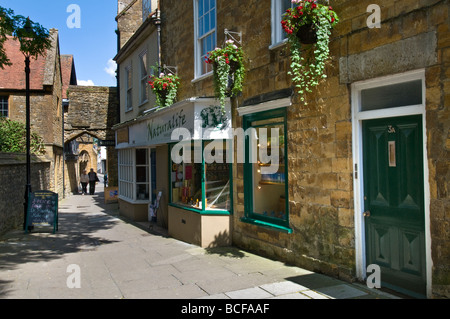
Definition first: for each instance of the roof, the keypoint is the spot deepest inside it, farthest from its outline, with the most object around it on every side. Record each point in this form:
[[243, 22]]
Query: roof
[[69, 76], [41, 69]]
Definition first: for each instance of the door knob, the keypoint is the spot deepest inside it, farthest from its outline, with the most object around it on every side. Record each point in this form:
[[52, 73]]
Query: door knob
[[366, 214]]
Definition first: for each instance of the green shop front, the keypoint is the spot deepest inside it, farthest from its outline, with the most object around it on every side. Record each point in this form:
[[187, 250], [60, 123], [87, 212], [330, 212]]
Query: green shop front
[[174, 167]]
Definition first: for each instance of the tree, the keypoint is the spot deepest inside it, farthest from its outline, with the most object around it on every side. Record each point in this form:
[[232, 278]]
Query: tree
[[34, 38]]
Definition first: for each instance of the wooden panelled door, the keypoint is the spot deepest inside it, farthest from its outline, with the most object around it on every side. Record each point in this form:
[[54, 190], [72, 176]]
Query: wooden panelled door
[[394, 202]]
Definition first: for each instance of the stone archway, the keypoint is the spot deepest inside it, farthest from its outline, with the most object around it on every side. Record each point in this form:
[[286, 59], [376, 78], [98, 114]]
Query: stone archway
[[90, 113]]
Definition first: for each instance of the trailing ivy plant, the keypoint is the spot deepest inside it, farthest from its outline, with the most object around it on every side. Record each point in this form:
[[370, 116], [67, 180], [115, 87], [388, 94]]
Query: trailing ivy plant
[[13, 138], [228, 70], [308, 60]]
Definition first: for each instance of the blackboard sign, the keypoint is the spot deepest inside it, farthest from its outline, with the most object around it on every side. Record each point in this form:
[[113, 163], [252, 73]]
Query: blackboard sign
[[42, 210]]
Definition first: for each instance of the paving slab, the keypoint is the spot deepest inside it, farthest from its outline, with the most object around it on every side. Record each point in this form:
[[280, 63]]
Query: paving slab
[[121, 259]]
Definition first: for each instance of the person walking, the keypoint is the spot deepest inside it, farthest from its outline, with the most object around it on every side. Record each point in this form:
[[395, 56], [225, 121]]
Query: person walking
[[84, 180], [93, 179]]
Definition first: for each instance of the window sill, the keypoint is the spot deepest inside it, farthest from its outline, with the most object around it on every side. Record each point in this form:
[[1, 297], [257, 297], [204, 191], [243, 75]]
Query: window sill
[[201, 212], [134, 201], [266, 225], [202, 77], [278, 44]]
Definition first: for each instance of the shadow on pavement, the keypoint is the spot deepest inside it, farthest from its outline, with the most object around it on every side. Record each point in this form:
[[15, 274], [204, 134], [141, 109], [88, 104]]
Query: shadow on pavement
[[80, 220]]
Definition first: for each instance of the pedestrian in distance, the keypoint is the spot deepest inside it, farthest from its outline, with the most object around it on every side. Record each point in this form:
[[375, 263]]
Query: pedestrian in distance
[[93, 179], [84, 180]]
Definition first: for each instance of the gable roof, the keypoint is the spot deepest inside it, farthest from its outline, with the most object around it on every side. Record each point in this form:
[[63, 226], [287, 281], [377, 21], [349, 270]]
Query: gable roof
[[69, 76], [42, 69]]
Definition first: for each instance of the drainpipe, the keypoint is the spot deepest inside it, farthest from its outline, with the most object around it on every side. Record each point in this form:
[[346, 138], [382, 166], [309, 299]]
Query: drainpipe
[[157, 22]]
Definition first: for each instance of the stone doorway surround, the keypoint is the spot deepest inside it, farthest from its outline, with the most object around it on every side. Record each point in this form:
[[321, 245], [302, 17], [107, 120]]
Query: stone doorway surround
[[357, 118]]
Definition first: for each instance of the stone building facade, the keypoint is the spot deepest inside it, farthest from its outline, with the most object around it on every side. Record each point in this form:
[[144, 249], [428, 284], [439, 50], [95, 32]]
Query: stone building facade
[[45, 101], [325, 228]]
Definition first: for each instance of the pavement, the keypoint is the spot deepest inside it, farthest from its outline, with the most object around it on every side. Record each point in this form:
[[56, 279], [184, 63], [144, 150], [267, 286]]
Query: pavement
[[97, 254]]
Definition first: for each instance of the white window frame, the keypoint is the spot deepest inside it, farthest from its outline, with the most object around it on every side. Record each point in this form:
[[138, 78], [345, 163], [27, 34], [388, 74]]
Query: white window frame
[[358, 117], [197, 43], [277, 30], [126, 173], [127, 176], [129, 88], [143, 88]]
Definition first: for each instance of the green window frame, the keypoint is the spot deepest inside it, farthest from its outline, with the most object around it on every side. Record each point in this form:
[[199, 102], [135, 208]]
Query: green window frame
[[203, 209], [275, 220]]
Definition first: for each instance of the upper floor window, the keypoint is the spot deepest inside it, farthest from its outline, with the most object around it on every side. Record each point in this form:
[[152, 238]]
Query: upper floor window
[[146, 9], [129, 87], [143, 76], [279, 7], [205, 30], [3, 106]]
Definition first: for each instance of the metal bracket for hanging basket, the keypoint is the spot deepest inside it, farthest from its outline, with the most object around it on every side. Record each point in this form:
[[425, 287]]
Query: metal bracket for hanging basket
[[233, 35], [171, 69]]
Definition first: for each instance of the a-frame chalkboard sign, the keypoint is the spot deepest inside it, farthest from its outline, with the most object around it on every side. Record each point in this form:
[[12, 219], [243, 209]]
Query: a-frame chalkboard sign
[[42, 212]]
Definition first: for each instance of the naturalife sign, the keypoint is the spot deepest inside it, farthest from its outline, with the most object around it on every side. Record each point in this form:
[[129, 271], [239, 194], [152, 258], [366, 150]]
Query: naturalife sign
[[156, 129], [196, 115]]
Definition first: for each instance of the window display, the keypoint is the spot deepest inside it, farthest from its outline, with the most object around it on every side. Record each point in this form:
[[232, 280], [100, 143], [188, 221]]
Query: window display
[[205, 185]]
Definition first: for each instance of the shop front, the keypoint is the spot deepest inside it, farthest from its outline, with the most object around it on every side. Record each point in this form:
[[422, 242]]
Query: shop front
[[184, 153]]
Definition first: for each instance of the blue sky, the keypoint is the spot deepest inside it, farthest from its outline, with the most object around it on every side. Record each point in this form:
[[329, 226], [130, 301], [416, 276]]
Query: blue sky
[[93, 44]]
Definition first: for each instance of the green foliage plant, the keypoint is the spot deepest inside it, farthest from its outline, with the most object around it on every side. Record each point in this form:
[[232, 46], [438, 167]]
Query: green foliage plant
[[228, 64], [308, 60], [13, 138]]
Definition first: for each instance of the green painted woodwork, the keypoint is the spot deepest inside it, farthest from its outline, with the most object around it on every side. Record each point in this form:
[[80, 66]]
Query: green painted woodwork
[[394, 196]]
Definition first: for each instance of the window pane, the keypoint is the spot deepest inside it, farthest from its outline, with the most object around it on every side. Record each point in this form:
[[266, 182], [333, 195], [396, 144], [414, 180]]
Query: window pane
[[213, 18], [3, 106], [142, 192], [201, 30], [141, 174], [141, 157], [217, 173], [268, 169], [200, 8], [395, 95], [207, 24]]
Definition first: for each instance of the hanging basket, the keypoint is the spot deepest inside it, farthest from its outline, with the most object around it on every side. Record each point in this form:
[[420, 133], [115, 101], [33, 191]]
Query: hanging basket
[[307, 34]]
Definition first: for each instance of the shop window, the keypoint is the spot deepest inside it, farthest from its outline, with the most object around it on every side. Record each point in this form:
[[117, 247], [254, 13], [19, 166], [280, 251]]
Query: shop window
[[217, 176], [126, 173], [134, 171], [265, 169], [201, 181], [142, 170]]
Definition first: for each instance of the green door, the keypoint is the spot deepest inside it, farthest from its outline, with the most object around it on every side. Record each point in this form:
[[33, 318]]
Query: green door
[[394, 202]]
